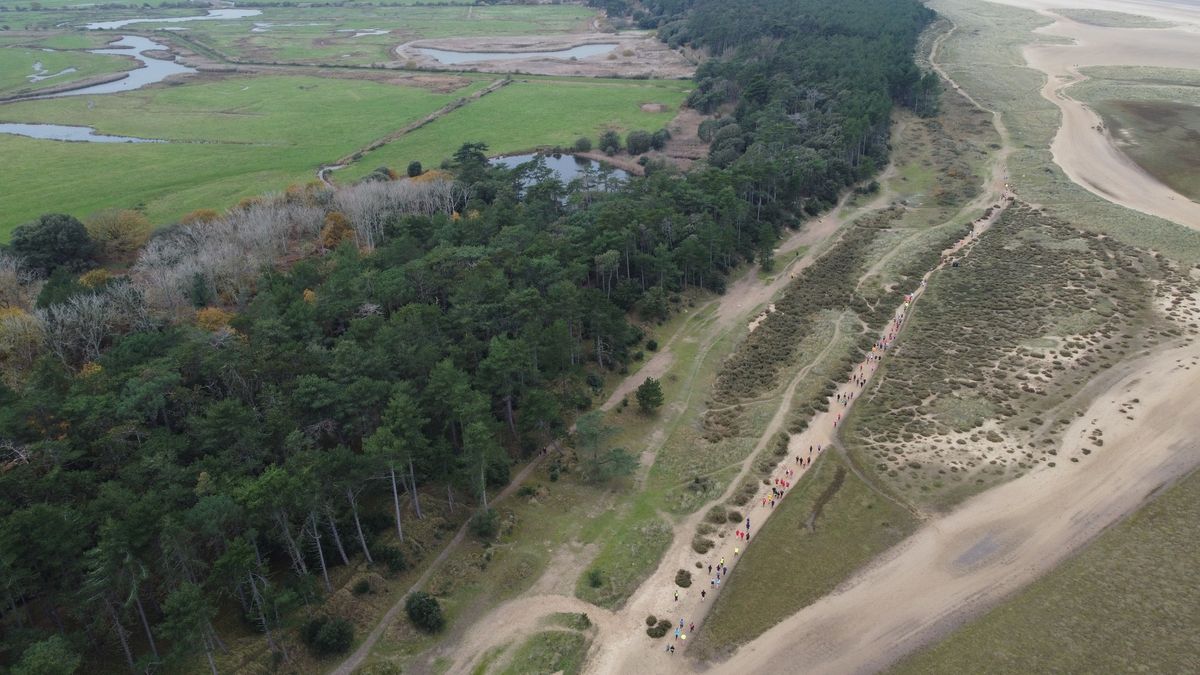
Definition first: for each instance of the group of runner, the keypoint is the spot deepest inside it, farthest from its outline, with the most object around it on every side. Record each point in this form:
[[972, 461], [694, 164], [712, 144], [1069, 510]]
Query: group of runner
[[782, 480]]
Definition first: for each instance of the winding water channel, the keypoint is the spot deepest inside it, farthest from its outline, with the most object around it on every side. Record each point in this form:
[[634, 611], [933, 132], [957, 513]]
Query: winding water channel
[[213, 15], [61, 132], [152, 70]]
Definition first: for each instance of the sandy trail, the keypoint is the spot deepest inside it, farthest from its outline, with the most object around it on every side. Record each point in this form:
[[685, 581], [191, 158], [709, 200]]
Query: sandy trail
[[1087, 154], [627, 651], [517, 618], [355, 659], [748, 293], [997, 542]]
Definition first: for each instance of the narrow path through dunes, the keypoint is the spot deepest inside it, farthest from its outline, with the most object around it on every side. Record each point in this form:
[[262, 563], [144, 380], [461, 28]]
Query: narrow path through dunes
[[958, 565]]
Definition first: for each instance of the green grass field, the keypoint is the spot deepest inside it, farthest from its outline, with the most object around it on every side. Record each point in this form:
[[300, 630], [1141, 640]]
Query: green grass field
[[16, 63], [232, 137], [1127, 603], [528, 114], [239, 136]]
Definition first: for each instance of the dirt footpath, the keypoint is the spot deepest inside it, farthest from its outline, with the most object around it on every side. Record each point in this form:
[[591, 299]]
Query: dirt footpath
[[959, 565]]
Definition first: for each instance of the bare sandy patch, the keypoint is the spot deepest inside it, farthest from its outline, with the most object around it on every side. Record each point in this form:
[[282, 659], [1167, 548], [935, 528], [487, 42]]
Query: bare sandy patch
[[1087, 154]]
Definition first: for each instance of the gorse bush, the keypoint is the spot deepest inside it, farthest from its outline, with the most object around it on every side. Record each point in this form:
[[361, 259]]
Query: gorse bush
[[424, 611]]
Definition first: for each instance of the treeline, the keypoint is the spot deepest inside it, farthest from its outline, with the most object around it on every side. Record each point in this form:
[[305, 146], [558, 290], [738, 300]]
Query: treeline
[[268, 393]]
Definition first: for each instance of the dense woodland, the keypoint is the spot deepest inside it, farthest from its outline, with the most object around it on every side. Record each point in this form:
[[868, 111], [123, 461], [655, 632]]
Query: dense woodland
[[255, 398]]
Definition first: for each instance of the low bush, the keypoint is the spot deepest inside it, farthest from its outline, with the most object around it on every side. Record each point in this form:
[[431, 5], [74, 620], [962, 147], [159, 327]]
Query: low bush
[[683, 579], [424, 611], [393, 557], [485, 524], [595, 578], [325, 635], [659, 629]]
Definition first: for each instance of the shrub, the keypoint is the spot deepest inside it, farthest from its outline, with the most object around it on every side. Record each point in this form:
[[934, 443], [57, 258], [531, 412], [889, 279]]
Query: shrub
[[683, 578], [485, 524], [424, 611], [118, 232], [610, 142], [658, 140], [649, 395], [716, 514], [652, 345], [701, 544], [595, 577], [638, 142], [414, 169], [199, 216], [393, 557], [651, 620], [583, 144], [361, 587], [735, 516], [659, 629], [325, 635], [337, 229], [54, 240], [52, 656]]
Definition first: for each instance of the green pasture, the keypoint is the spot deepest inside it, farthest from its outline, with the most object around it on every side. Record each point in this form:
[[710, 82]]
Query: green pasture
[[530, 114], [231, 138], [17, 63]]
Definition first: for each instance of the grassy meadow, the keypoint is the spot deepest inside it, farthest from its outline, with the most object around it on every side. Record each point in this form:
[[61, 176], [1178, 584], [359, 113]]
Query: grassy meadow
[[237, 136], [17, 63], [229, 138], [532, 113]]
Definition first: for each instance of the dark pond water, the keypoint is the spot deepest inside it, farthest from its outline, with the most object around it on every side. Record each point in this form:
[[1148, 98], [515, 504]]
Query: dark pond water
[[566, 167]]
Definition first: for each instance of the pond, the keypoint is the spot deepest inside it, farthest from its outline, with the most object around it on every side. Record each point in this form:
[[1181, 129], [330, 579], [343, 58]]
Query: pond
[[213, 15], [565, 167], [58, 132], [152, 70], [453, 58]]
